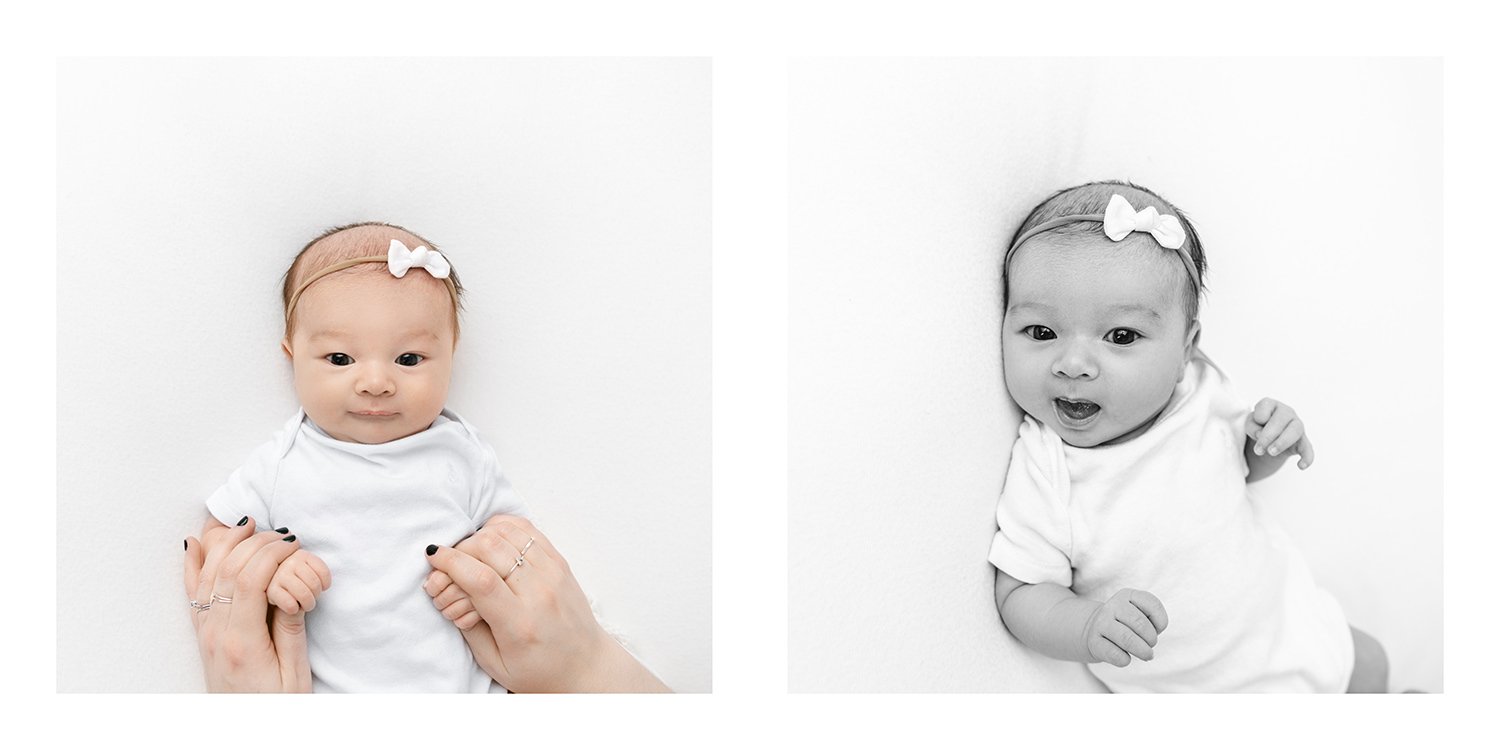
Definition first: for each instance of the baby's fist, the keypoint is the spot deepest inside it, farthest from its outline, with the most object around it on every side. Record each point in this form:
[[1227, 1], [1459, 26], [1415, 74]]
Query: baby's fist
[[1125, 626], [297, 582], [1276, 428], [451, 600]]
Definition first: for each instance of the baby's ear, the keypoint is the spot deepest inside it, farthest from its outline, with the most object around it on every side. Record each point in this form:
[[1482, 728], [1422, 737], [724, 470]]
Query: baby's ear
[[1187, 349], [286, 346]]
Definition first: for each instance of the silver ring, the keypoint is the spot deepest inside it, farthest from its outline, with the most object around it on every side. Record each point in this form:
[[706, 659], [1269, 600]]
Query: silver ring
[[529, 540], [221, 599], [199, 607], [519, 562]]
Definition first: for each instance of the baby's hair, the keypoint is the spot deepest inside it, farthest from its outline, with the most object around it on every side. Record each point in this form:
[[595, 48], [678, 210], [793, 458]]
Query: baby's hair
[[346, 243], [1092, 198]]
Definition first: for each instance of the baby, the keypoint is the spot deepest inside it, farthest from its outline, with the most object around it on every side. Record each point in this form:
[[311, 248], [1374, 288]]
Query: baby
[[1126, 494], [373, 467]]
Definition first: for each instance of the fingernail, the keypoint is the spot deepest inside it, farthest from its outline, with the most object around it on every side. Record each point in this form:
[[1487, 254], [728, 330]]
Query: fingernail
[[1258, 450], [291, 538], [242, 521], [282, 530], [184, 545], [431, 550], [1274, 451]]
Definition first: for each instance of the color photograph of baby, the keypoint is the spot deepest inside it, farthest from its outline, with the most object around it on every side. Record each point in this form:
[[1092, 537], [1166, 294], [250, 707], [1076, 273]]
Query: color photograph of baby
[[355, 311]]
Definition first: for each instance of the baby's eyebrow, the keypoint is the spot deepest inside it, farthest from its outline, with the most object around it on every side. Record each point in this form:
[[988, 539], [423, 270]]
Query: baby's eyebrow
[[1137, 308]]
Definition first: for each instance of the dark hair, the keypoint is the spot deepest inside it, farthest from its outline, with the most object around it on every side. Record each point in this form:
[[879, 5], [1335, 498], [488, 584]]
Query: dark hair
[[1091, 198]]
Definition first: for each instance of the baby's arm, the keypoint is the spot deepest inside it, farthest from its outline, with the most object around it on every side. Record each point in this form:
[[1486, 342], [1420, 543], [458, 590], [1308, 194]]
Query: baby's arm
[[1060, 624], [1273, 432]]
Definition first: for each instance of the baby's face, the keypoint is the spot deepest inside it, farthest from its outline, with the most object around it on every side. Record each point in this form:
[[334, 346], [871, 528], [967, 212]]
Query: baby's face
[[372, 355], [1095, 337]]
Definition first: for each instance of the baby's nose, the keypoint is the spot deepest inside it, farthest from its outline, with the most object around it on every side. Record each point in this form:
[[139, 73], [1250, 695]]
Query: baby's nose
[[375, 381], [1075, 362]]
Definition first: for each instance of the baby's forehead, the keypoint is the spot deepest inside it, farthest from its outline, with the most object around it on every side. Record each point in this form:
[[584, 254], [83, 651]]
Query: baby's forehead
[[1053, 266]]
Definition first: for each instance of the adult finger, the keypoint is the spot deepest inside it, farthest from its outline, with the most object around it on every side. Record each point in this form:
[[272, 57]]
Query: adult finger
[[523, 529], [289, 637], [491, 596], [1287, 439], [481, 640], [1150, 606], [491, 547], [219, 542], [248, 614]]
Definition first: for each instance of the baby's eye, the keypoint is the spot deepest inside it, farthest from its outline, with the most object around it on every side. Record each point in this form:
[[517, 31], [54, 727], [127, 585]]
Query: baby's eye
[[339, 359], [1039, 333], [1122, 336], [408, 359]]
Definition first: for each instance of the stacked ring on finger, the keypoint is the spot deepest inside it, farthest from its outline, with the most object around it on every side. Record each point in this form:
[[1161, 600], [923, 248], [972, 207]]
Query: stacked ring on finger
[[520, 559], [219, 599], [199, 607]]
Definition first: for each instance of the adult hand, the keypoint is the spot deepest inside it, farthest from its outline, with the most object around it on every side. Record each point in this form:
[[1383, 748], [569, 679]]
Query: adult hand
[[537, 633], [243, 650]]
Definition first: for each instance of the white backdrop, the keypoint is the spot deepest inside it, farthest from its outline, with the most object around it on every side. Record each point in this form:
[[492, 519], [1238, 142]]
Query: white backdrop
[[1316, 188], [573, 197]]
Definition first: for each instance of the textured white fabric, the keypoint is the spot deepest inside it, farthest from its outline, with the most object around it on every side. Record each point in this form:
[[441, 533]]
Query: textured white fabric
[[1168, 512], [369, 512], [1121, 218]]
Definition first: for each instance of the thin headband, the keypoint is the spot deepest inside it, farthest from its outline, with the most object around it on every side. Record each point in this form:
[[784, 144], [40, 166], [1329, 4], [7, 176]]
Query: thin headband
[[1119, 220], [398, 259]]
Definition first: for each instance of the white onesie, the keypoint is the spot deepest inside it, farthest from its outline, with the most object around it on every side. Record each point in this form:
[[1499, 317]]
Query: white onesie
[[369, 512], [1168, 512]]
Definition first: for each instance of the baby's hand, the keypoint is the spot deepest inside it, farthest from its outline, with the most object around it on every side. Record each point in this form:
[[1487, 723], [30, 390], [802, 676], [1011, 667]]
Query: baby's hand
[[297, 582], [452, 600], [1125, 626], [1275, 428]]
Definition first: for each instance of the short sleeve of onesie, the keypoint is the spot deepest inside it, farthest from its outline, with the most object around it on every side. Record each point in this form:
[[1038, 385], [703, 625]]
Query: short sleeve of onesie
[[249, 489], [1034, 542], [494, 495]]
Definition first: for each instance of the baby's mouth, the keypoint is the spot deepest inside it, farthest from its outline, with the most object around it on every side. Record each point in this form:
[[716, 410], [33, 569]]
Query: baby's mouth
[[1075, 411]]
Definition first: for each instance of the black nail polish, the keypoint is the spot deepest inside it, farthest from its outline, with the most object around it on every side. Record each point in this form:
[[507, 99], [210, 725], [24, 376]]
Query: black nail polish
[[431, 549], [291, 538], [282, 530], [184, 545], [243, 521]]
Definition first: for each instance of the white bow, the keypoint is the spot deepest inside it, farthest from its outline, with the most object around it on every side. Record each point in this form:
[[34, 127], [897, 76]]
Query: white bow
[[1120, 219], [401, 260]]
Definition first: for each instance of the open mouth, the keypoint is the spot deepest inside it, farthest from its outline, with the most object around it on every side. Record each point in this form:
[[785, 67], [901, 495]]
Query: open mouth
[[1075, 413]]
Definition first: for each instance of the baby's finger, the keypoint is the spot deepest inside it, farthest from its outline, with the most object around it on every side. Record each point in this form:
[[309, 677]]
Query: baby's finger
[[298, 589], [1287, 438], [318, 568], [457, 610], [436, 581], [1262, 411], [448, 596], [1117, 633], [310, 578], [1273, 429], [281, 599], [1305, 450], [1150, 606], [1103, 650], [1132, 617]]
